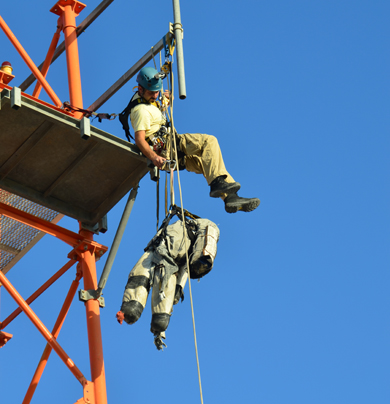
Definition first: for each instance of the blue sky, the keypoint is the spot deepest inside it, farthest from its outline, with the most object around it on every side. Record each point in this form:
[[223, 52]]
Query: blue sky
[[296, 308]]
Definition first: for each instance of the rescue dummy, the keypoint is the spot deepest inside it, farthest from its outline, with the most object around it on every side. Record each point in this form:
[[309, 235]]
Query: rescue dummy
[[163, 269], [198, 153]]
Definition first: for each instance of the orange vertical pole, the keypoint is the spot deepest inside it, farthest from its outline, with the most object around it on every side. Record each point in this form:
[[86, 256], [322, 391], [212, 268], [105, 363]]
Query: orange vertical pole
[[30, 63], [56, 330], [68, 10], [98, 377]]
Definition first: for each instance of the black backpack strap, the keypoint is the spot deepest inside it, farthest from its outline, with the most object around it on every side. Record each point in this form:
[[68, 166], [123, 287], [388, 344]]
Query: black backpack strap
[[161, 232], [124, 115]]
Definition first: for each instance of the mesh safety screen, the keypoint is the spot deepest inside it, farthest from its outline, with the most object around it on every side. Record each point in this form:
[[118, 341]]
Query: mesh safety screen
[[15, 236]]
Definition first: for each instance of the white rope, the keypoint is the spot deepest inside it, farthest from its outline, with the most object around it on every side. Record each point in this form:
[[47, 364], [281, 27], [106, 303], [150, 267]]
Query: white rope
[[153, 58], [184, 236]]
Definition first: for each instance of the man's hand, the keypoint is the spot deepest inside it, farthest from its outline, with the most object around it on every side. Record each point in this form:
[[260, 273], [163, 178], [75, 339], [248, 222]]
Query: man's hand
[[167, 94], [158, 161], [143, 145]]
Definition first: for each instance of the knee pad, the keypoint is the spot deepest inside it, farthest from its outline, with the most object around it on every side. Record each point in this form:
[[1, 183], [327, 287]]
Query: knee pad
[[136, 281], [132, 311], [160, 322]]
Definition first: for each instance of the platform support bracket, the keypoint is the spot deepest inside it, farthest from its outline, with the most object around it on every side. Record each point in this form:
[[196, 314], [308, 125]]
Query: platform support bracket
[[85, 295], [16, 98], [85, 128]]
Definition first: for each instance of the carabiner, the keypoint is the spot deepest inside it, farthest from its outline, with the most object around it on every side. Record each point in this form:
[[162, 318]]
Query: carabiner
[[169, 163]]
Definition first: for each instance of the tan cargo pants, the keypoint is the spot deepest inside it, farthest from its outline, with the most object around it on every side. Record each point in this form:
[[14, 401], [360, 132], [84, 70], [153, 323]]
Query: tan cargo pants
[[203, 156]]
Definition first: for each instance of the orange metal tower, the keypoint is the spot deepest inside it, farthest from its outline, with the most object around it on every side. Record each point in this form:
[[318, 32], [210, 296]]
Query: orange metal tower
[[54, 163], [55, 146]]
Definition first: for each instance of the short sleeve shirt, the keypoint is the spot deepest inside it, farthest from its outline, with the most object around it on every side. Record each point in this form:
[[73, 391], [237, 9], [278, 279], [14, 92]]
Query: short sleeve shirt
[[146, 117]]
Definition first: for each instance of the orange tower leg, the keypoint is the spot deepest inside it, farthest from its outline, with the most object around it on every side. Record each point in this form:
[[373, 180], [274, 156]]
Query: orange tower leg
[[98, 377], [68, 10]]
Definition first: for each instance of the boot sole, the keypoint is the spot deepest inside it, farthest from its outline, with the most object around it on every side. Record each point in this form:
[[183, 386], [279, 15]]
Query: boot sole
[[243, 207], [229, 190]]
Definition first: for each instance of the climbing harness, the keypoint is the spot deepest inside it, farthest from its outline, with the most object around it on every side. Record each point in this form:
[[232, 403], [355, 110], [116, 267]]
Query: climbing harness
[[174, 211], [159, 139]]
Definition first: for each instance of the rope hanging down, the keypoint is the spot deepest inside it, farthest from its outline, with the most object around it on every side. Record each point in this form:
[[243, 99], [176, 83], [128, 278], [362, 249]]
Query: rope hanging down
[[167, 70], [174, 156]]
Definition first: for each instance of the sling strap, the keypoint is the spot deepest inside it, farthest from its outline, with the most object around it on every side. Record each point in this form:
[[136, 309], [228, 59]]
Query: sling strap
[[124, 115]]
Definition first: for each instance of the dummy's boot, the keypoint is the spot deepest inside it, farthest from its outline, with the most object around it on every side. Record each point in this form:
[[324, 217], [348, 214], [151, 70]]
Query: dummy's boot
[[219, 186], [234, 203]]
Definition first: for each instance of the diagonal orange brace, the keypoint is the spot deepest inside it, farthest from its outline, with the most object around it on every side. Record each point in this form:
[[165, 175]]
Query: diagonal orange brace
[[30, 63], [48, 60], [42, 329], [56, 330], [37, 293]]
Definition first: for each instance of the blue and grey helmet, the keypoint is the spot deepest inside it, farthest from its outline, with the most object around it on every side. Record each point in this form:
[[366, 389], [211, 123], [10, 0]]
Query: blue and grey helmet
[[146, 78]]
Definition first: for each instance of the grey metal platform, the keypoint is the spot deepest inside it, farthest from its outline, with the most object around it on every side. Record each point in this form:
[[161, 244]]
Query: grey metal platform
[[44, 158]]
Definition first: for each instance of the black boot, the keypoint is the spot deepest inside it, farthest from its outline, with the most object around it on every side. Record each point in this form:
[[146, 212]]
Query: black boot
[[233, 203], [219, 186]]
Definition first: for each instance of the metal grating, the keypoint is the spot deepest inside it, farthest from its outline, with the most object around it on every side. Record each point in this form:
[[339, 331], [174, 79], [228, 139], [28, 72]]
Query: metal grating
[[15, 237]]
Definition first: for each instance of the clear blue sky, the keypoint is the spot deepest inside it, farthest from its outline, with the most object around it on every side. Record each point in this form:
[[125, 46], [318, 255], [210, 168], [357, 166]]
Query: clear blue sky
[[296, 309]]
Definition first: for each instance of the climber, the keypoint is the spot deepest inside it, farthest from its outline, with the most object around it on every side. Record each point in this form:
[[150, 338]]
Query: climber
[[200, 153]]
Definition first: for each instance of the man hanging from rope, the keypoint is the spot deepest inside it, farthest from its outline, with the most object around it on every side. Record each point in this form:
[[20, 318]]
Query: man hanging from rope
[[201, 153]]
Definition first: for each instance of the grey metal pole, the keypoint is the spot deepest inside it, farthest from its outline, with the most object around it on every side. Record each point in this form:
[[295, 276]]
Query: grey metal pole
[[127, 76], [178, 31], [117, 240]]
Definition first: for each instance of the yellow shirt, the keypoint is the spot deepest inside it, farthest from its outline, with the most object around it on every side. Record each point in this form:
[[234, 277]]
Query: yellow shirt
[[147, 117]]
